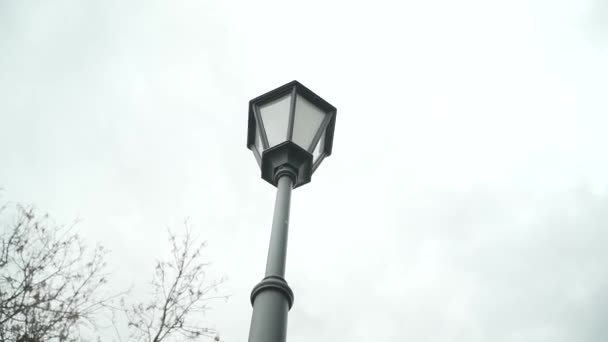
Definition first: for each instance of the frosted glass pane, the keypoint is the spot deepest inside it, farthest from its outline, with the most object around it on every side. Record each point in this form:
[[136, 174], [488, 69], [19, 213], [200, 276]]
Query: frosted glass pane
[[316, 153], [306, 123], [275, 116], [258, 141]]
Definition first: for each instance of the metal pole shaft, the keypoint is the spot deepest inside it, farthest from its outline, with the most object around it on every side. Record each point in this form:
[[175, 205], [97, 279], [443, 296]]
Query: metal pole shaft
[[272, 298], [277, 250]]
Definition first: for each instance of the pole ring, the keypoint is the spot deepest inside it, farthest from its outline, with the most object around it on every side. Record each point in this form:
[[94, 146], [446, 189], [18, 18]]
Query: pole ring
[[273, 283], [285, 170]]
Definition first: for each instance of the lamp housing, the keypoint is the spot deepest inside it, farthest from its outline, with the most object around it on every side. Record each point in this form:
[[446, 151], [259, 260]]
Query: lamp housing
[[290, 128]]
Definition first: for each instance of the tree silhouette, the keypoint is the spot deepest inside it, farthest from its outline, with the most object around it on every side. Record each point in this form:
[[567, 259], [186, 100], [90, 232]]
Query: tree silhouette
[[181, 294], [49, 281]]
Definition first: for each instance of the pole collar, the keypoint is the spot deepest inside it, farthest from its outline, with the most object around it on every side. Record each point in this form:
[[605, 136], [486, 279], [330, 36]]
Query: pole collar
[[285, 170], [273, 283]]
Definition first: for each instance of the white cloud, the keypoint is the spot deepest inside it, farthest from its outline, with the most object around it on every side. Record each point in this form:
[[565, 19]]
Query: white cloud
[[451, 208]]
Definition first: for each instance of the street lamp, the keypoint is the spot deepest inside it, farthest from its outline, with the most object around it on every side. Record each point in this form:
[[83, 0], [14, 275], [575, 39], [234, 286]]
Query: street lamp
[[290, 132]]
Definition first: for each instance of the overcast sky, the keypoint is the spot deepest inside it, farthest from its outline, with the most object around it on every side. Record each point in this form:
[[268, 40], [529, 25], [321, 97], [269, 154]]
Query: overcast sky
[[466, 198]]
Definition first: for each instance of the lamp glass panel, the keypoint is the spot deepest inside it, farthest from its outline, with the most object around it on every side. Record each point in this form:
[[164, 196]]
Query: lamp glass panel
[[258, 140], [307, 121], [275, 116], [316, 153]]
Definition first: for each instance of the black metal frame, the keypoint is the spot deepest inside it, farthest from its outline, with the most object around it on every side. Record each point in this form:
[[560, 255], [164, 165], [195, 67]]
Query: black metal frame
[[288, 154], [292, 113]]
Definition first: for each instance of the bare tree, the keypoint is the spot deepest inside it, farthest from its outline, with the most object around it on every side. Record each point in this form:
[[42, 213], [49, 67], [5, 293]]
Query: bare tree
[[52, 286], [50, 283], [181, 294]]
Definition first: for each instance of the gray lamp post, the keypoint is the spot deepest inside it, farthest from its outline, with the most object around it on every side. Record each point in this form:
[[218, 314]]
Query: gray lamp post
[[290, 133]]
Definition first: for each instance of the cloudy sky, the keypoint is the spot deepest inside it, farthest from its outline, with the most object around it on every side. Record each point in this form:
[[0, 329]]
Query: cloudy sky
[[466, 198]]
